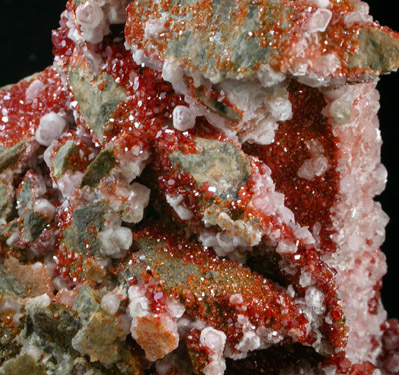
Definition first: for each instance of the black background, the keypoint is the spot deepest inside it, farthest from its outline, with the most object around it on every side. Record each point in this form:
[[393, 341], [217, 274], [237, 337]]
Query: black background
[[25, 48]]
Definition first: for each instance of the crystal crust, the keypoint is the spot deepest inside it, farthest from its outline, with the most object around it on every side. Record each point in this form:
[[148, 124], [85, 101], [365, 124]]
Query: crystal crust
[[189, 189]]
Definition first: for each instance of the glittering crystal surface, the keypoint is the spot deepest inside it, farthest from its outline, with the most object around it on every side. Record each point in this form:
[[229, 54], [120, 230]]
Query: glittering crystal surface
[[189, 189]]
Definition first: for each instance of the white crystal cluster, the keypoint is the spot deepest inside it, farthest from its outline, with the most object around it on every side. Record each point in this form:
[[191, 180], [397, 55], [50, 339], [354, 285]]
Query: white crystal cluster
[[94, 18], [176, 202], [51, 126], [315, 166], [262, 109], [214, 341], [261, 106], [359, 221]]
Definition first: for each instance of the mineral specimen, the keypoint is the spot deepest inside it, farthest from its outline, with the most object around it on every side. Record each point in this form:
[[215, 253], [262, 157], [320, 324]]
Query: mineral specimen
[[189, 189]]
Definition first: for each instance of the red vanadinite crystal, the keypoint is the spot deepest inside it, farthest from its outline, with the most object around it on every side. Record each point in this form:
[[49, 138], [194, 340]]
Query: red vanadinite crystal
[[310, 200], [21, 117], [166, 225]]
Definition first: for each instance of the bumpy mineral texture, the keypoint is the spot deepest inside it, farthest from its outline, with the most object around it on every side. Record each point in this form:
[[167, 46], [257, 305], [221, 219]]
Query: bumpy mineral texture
[[189, 190]]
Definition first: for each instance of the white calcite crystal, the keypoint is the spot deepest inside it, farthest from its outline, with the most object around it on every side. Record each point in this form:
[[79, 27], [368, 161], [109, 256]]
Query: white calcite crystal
[[214, 341], [183, 118], [359, 263], [51, 126]]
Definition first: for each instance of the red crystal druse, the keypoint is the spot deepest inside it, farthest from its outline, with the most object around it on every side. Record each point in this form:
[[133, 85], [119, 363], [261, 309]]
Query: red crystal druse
[[219, 206]]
